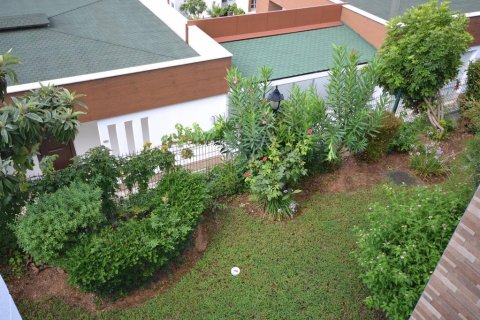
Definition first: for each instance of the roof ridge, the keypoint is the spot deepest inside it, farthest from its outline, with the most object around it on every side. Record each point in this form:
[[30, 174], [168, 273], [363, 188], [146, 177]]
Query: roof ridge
[[110, 43], [80, 7]]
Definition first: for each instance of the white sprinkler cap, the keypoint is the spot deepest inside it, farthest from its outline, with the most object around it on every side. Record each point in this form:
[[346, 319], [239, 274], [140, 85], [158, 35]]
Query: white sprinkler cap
[[235, 271]]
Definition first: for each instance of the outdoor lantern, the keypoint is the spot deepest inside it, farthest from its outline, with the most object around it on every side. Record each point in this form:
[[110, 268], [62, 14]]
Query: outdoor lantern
[[275, 98]]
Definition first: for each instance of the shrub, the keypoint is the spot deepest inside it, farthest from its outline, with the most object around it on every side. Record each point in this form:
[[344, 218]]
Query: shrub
[[473, 80], [226, 179], [470, 108], [403, 243], [139, 169], [472, 156], [118, 259], [378, 144], [428, 159], [408, 136], [57, 221]]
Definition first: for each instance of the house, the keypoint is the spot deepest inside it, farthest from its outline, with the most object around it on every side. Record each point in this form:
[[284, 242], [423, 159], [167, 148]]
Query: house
[[131, 60]]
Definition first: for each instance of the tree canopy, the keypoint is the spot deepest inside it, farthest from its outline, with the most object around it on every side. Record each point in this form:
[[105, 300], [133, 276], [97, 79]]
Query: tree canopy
[[422, 51]]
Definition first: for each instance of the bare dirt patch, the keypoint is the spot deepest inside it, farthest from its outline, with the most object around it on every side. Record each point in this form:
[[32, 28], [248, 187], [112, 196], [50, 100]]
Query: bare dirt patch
[[52, 282]]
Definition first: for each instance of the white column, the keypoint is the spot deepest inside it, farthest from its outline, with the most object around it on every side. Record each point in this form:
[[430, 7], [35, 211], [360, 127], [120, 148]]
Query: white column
[[104, 136], [122, 138], [137, 134]]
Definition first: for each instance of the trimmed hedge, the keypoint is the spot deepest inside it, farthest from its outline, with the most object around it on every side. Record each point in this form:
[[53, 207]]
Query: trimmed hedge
[[123, 257], [378, 145], [57, 221]]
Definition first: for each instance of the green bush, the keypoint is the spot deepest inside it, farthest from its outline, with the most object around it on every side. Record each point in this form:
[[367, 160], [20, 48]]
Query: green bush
[[139, 169], [122, 257], [97, 166], [57, 221], [470, 108], [408, 136], [473, 80], [379, 143], [472, 156], [226, 179], [403, 243], [428, 159]]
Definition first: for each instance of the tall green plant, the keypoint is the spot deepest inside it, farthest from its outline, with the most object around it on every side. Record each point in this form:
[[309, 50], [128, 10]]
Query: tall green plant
[[7, 60], [352, 117]]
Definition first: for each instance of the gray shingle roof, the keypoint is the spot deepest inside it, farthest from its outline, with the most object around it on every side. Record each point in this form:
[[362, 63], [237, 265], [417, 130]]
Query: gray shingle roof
[[387, 9], [297, 53], [87, 36]]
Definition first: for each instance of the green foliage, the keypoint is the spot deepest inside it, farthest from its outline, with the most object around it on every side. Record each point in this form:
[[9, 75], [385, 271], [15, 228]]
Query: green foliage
[[378, 145], [139, 169], [422, 51], [352, 119], [57, 221], [473, 80], [403, 242], [472, 156], [122, 257], [470, 108], [7, 60], [223, 11], [408, 136], [42, 113], [226, 179], [428, 159], [97, 166], [193, 8]]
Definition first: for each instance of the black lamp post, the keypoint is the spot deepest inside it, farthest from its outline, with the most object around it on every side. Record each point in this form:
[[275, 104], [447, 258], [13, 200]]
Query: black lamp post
[[275, 98]]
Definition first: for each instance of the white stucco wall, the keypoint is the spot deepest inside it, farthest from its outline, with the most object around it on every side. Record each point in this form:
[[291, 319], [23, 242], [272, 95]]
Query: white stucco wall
[[126, 134]]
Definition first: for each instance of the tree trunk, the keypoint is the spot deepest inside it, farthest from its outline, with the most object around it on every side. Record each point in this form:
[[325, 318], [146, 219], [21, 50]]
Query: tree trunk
[[432, 116]]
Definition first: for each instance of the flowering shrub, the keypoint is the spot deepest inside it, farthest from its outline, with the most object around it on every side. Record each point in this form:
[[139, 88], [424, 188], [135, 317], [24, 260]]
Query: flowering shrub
[[270, 177], [428, 159], [403, 243]]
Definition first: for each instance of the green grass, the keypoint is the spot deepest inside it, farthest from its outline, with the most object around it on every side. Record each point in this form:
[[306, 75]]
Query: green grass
[[299, 269]]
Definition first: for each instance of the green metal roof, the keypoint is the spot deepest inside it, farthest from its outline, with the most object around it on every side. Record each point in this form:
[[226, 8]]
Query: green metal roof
[[298, 53], [387, 9], [87, 36]]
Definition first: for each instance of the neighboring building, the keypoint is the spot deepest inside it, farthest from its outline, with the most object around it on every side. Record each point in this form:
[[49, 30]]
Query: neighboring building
[[131, 60]]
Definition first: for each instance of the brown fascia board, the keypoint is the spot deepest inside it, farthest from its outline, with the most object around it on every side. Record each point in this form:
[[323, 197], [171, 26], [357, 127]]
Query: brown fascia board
[[270, 23], [124, 94]]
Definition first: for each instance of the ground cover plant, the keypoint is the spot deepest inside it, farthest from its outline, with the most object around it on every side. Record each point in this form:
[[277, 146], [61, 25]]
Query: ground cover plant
[[404, 242]]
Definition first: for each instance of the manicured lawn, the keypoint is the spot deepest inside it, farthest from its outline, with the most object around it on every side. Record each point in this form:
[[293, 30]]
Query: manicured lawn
[[300, 269]]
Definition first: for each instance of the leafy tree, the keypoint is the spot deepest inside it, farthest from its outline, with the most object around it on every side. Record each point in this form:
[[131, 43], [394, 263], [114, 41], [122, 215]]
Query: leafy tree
[[193, 8], [6, 71], [422, 53], [219, 11]]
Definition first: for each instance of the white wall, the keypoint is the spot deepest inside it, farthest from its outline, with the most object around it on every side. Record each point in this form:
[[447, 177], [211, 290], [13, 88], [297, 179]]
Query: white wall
[[87, 137], [125, 134]]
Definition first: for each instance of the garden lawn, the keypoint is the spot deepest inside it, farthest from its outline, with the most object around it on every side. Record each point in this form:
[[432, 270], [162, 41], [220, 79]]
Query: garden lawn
[[299, 269]]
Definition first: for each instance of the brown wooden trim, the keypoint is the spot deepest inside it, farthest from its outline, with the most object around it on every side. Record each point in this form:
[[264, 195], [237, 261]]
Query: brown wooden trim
[[115, 96], [474, 29], [277, 32], [269, 22]]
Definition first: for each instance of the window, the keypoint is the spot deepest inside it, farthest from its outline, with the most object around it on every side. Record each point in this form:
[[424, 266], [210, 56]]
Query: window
[[253, 4]]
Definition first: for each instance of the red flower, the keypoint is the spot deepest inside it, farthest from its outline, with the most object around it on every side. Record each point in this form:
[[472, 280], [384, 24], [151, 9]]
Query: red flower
[[309, 131], [247, 174], [235, 80], [264, 158]]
